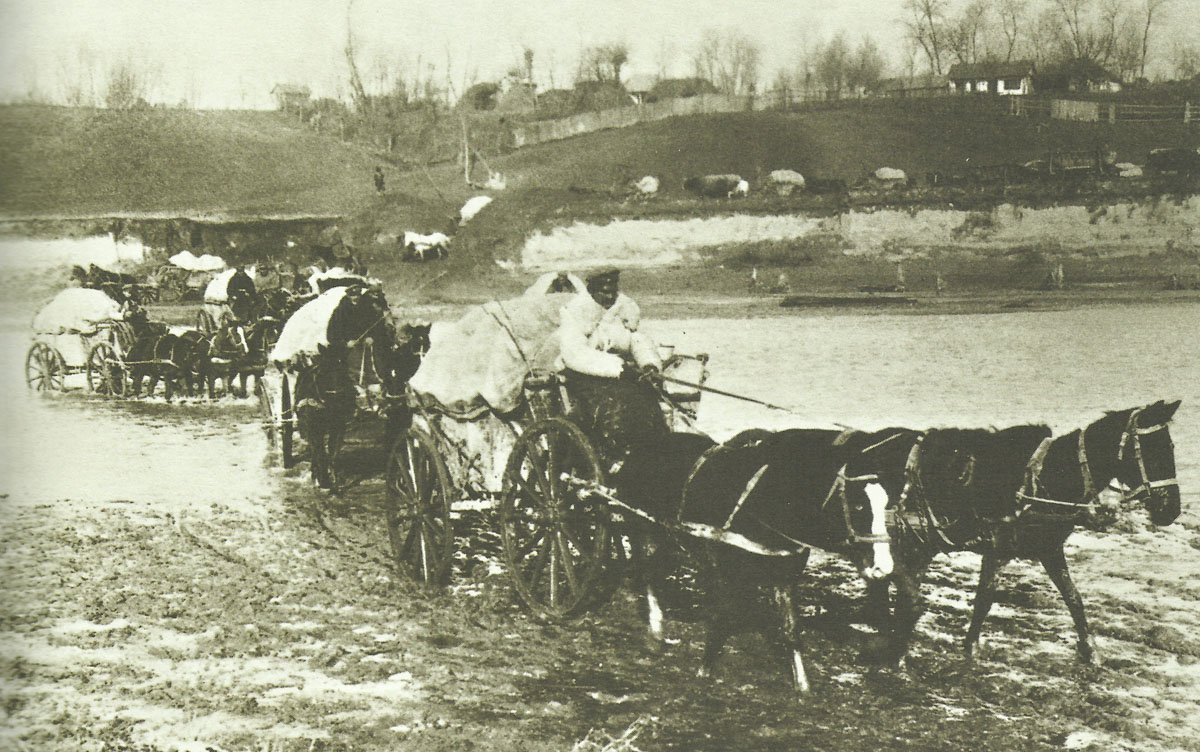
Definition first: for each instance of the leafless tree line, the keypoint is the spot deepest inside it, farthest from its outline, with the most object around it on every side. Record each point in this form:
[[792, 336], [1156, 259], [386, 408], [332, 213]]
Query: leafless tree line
[[1116, 34]]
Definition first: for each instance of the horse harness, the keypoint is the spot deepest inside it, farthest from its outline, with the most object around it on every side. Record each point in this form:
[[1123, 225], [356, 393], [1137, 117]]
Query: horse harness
[[1031, 494]]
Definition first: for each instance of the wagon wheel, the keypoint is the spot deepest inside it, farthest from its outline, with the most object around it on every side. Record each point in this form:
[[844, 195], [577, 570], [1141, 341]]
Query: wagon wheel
[[287, 426], [205, 322], [105, 371], [44, 368], [555, 535], [268, 415], [418, 509], [171, 286], [123, 336]]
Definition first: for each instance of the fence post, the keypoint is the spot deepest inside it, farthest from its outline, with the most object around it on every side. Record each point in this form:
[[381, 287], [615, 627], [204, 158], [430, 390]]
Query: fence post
[[1112, 112], [1187, 112]]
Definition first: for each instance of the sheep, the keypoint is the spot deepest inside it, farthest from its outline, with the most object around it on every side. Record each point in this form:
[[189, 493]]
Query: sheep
[[786, 182], [742, 189]]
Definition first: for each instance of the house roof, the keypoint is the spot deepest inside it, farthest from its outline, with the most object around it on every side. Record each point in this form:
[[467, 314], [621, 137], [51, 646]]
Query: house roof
[[923, 81], [1086, 70], [303, 91], [1013, 69]]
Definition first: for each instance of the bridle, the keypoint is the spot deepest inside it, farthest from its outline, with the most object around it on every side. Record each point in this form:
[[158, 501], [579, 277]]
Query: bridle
[[838, 490], [1031, 494], [1132, 437]]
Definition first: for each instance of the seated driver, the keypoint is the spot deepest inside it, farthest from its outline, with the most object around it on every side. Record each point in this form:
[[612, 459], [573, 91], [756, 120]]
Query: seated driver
[[610, 369], [598, 334]]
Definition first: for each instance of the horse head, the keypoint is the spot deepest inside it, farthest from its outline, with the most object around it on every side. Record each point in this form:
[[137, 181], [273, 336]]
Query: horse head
[[1146, 460], [872, 483]]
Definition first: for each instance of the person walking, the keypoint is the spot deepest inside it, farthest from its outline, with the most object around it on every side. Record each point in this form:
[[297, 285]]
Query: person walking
[[379, 180]]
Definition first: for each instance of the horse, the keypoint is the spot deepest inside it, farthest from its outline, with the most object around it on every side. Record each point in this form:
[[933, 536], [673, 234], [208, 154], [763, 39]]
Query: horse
[[1008, 506], [239, 351], [326, 394], [926, 522], [169, 357], [750, 510]]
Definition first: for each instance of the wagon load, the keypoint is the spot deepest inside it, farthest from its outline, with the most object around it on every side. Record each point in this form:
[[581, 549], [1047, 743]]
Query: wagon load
[[76, 310], [189, 261], [479, 363], [307, 330], [322, 280]]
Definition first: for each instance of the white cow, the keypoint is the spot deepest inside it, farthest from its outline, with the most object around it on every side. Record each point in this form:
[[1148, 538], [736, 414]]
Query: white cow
[[420, 246], [741, 189]]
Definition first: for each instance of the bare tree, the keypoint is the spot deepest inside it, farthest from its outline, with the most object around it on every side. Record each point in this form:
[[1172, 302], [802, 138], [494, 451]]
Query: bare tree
[[867, 67], [1012, 20], [926, 25], [603, 62], [1090, 32], [833, 65], [358, 92], [1150, 9], [664, 58], [125, 87], [729, 60], [964, 32]]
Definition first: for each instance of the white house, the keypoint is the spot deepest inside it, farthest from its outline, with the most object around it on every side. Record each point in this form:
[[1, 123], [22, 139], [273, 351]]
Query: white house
[[1015, 77]]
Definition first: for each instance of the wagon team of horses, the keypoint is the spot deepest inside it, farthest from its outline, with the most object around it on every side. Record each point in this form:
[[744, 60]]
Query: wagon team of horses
[[750, 509]]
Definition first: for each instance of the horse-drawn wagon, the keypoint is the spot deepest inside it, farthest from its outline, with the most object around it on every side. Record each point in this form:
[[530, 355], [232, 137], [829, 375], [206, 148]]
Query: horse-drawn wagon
[[80, 331], [185, 276], [494, 426]]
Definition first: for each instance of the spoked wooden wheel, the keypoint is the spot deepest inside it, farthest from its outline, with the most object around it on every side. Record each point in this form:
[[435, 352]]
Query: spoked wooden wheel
[[269, 418], [555, 533], [44, 368], [418, 509], [105, 371], [287, 425]]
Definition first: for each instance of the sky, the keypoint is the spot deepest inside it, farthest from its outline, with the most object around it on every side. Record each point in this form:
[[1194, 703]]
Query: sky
[[229, 53]]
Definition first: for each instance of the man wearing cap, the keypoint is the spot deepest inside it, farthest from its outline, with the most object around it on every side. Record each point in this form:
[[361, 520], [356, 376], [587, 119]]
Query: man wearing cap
[[597, 329], [615, 402]]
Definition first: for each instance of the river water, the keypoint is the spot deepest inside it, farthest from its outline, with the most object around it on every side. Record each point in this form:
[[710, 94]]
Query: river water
[[866, 371]]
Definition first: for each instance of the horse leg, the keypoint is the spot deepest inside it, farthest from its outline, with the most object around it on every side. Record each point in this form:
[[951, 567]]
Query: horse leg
[[728, 604], [877, 610], [336, 436], [1055, 563], [985, 596], [786, 600], [645, 576]]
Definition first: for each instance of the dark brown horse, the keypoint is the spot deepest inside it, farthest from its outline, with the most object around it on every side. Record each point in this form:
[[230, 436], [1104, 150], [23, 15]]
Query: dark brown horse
[[1015, 496], [750, 509]]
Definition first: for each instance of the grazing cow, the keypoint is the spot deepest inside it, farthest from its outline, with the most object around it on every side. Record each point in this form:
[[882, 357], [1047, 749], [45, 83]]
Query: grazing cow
[[418, 246], [714, 186], [742, 189], [786, 182]]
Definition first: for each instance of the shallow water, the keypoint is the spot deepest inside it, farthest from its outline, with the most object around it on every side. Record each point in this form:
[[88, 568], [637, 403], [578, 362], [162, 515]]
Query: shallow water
[[1063, 368]]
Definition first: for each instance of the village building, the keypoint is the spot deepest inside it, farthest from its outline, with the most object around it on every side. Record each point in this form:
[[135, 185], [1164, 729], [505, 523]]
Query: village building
[[1076, 76], [290, 97], [1016, 77]]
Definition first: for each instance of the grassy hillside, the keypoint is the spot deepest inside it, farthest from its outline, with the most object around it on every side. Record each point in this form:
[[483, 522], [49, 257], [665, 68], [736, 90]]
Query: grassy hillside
[[81, 161]]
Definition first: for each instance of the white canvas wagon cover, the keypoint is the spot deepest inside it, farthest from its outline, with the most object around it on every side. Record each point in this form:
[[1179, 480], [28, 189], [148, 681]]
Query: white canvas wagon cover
[[191, 262], [76, 309], [308, 327], [479, 362], [217, 290]]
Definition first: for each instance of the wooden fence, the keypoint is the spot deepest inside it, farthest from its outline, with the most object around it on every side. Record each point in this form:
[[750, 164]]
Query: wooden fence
[[1097, 111]]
